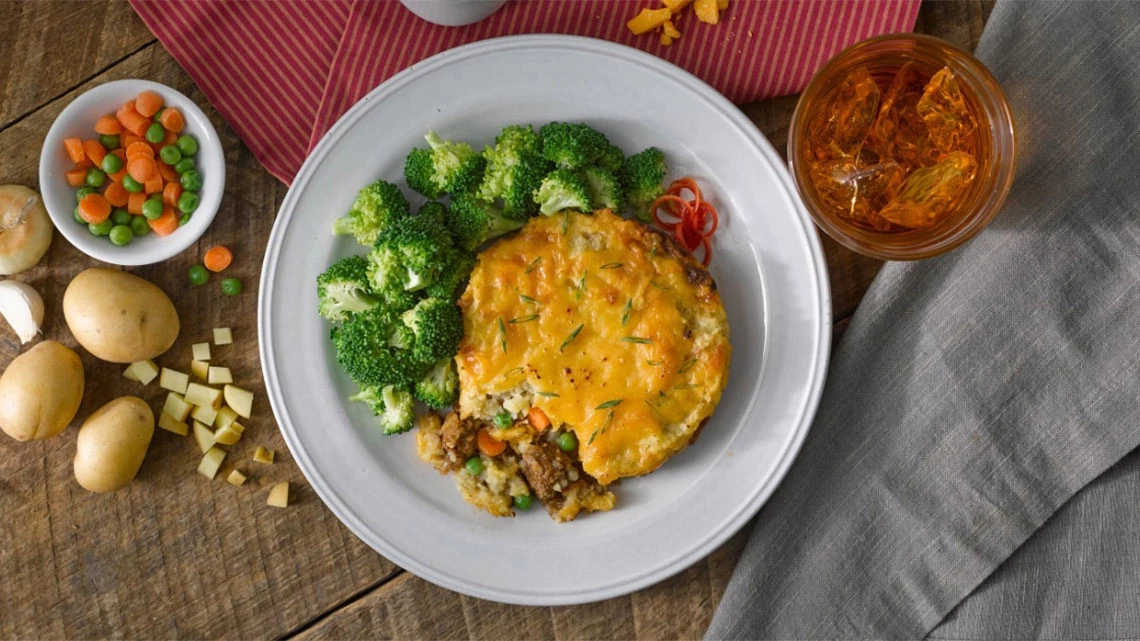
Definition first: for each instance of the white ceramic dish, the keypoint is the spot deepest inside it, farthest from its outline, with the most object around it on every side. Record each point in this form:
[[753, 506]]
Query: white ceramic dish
[[768, 266], [77, 120], [453, 13]]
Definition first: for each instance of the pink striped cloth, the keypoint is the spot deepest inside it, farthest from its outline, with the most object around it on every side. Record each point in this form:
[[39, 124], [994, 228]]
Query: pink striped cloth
[[281, 72]]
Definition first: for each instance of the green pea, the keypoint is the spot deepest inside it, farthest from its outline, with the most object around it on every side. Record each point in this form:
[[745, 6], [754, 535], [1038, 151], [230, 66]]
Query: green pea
[[170, 155], [502, 420], [184, 165], [158, 114], [155, 133], [109, 141], [184, 219], [152, 209], [102, 229], [523, 502], [78, 218], [188, 202], [121, 235], [95, 177], [187, 144], [132, 185], [198, 275], [192, 180], [83, 191], [567, 441], [121, 217], [139, 226], [112, 164], [474, 466]]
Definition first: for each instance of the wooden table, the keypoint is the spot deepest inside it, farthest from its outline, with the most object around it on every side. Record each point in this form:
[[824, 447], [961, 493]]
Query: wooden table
[[176, 556]]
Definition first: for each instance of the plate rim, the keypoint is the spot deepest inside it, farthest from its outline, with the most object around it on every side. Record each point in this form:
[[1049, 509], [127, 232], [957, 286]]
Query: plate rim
[[735, 521]]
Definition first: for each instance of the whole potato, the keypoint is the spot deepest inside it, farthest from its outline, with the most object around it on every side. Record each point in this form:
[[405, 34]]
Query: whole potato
[[112, 444], [119, 317], [40, 392]]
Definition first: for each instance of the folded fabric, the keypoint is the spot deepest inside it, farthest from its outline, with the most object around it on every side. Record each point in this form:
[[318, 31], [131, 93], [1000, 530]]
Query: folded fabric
[[977, 392], [292, 68]]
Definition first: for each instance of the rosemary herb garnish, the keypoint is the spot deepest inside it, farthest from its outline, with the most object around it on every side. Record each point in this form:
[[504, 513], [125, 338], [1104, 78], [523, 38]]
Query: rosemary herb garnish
[[592, 437], [654, 363], [653, 252], [502, 335], [534, 263], [636, 339], [547, 394], [527, 299], [565, 221], [517, 370], [582, 285], [524, 319], [611, 265], [609, 421], [658, 285], [608, 404], [687, 365], [571, 337], [656, 410], [625, 312]]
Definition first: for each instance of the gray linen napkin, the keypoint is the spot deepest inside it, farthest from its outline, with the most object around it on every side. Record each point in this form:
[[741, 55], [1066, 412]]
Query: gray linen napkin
[[975, 393]]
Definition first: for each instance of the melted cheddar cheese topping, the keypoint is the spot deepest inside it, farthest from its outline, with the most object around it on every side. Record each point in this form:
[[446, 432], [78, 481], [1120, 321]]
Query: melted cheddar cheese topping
[[593, 320]]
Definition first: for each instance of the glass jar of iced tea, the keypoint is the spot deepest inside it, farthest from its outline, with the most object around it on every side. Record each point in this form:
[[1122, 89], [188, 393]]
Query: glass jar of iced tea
[[902, 147]]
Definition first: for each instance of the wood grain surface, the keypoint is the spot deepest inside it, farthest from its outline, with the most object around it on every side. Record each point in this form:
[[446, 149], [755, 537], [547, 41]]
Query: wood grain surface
[[177, 556]]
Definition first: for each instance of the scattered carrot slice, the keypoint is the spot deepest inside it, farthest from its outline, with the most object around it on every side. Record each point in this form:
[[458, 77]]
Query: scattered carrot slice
[[134, 122], [154, 185], [74, 147], [108, 125], [148, 103], [118, 175], [94, 151], [140, 148], [116, 194], [218, 258], [94, 208], [142, 168], [84, 164], [166, 224], [170, 192], [488, 444], [127, 139], [170, 139], [167, 172], [76, 177], [135, 202], [538, 418], [171, 118]]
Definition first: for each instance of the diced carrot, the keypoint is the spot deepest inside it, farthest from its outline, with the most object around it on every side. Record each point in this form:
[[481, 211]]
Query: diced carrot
[[135, 202], [171, 191], [108, 125], [167, 172], [84, 164], [488, 444], [94, 208], [154, 185], [134, 122], [538, 418], [116, 194], [118, 176], [148, 103], [170, 139], [74, 147], [171, 118], [140, 148], [94, 151], [128, 139], [76, 177], [127, 106], [142, 168], [166, 224], [218, 258]]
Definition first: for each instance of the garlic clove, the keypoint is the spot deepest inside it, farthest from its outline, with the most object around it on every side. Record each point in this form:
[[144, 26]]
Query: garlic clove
[[22, 307]]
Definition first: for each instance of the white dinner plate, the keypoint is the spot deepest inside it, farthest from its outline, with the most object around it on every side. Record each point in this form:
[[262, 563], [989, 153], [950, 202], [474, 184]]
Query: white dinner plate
[[767, 265]]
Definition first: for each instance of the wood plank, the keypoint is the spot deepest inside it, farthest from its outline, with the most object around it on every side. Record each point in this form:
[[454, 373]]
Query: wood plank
[[49, 47], [173, 555]]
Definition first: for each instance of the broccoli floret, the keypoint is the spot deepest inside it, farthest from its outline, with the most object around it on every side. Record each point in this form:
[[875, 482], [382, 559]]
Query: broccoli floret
[[458, 270], [364, 349], [439, 388], [437, 326], [433, 210], [343, 290], [377, 207], [562, 189], [473, 222], [641, 179], [572, 145], [446, 168], [411, 255], [605, 191], [515, 168], [520, 138], [611, 159], [394, 406]]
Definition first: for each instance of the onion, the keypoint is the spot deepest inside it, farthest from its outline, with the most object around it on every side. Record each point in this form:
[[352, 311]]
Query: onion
[[25, 229]]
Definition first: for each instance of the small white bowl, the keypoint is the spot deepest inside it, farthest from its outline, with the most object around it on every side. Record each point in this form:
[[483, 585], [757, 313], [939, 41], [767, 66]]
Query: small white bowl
[[453, 13], [77, 120]]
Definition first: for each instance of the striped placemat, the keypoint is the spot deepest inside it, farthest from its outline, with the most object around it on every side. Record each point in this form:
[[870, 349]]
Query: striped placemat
[[281, 73]]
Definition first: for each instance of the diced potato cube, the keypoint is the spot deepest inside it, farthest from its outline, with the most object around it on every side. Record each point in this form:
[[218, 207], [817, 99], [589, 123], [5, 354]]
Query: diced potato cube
[[171, 424], [198, 394], [201, 351], [141, 371], [228, 435], [225, 417], [706, 11], [236, 479], [211, 461], [649, 19], [220, 376], [205, 414], [200, 369], [130, 375], [173, 380], [240, 400], [223, 336], [676, 5], [204, 436], [279, 495], [176, 406], [262, 455]]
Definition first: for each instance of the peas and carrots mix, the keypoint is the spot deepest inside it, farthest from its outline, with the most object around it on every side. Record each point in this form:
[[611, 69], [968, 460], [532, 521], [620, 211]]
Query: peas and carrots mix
[[137, 175]]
